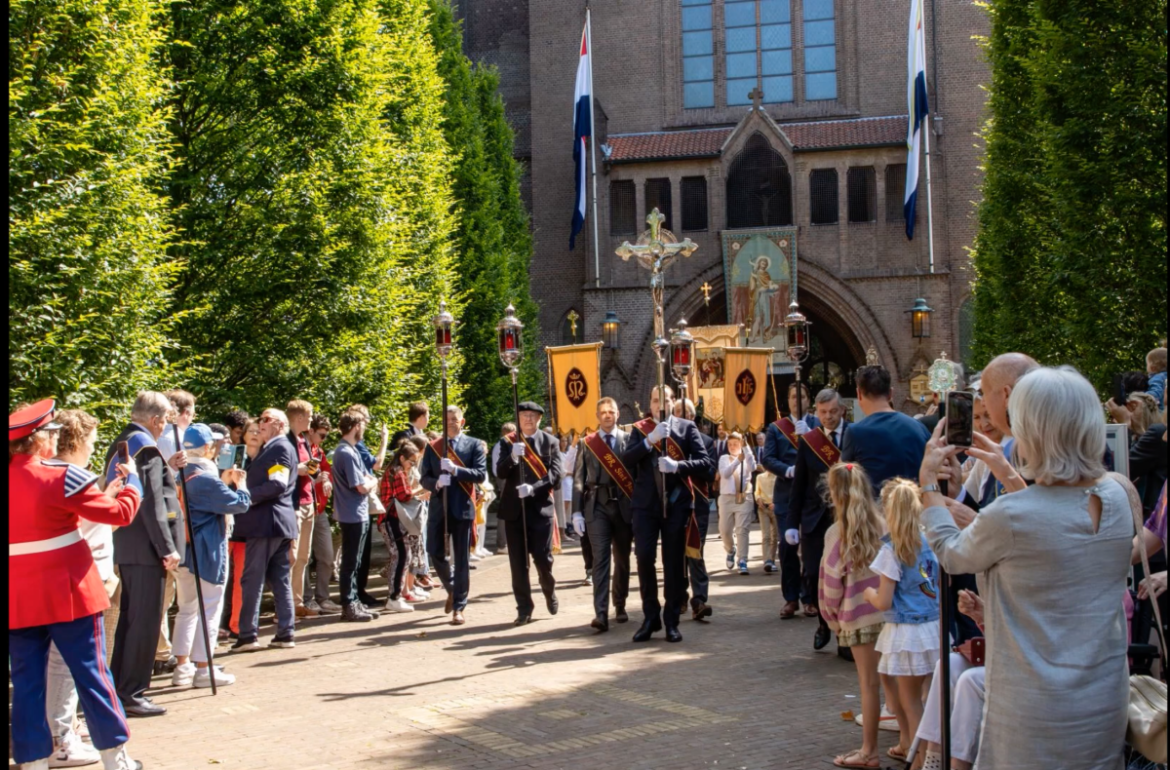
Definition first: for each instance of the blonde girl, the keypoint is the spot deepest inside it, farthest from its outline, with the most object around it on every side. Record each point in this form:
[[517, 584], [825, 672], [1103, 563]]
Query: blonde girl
[[851, 545], [908, 595]]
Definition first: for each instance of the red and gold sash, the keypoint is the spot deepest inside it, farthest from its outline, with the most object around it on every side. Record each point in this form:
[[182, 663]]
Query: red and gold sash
[[673, 450], [823, 447], [612, 464], [531, 457], [437, 447], [788, 428], [694, 549]]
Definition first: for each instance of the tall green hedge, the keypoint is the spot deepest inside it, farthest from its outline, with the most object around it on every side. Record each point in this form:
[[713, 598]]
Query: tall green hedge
[[494, 240], [88, 275], [1071, 249]]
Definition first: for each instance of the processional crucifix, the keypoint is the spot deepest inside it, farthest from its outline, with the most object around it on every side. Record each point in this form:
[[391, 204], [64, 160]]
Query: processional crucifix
[[656, 250]]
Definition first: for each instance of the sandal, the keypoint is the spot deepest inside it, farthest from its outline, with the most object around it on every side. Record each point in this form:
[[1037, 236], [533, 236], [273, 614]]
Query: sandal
[[862, 762], [897, 752]]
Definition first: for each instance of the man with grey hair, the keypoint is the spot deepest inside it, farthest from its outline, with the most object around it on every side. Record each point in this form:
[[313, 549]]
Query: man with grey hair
[[268, 529], [144, 550]]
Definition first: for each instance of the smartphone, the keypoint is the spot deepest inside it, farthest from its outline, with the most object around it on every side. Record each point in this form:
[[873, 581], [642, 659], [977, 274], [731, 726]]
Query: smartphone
[[227, 453], [960, 418], [1119, 395], [123, 449]]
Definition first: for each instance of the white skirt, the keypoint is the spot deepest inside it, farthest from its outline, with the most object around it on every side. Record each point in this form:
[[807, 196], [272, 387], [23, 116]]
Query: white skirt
[[908, 649]]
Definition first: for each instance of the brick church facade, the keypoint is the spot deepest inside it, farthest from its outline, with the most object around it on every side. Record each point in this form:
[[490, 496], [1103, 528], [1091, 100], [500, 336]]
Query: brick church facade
[[739, 116]]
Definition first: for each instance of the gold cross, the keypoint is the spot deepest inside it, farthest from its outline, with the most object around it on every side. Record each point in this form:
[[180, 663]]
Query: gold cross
[[573, 318], [706, 288]]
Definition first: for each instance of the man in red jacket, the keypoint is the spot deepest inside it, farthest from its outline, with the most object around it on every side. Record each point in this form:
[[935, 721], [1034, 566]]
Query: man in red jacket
[[46, 553]]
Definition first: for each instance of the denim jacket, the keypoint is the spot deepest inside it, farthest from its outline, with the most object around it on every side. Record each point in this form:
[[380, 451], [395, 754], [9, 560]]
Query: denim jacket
[[210, 502], [916, 595]]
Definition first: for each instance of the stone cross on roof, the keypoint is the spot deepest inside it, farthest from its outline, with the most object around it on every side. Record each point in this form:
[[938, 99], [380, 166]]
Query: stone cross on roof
[[757, 97]]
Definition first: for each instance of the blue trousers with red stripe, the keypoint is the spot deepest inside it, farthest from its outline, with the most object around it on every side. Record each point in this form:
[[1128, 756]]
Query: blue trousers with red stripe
[[82, 643]]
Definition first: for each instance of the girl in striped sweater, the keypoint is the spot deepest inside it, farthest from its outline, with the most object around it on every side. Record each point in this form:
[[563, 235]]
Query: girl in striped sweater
[[851, 544]]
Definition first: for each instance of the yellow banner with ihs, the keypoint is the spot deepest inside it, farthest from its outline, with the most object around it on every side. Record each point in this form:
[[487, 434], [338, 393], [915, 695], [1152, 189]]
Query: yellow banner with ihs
[[574, 386], [745, 388]]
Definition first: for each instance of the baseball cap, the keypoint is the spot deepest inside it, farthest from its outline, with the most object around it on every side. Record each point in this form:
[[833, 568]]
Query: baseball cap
[[199, 435]]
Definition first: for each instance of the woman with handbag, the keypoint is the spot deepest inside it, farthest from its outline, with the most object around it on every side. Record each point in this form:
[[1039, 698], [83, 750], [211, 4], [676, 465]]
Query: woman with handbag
[[395, 494]]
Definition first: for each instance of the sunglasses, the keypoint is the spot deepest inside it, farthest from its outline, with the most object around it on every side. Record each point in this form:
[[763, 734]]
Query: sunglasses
[[263, 420]]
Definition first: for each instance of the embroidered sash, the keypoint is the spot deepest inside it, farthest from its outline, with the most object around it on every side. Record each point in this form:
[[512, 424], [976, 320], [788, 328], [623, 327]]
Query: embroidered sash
[[673, 450], [531, 457], [437, 447], [823, 447], [612, 464], [788, 428], [694, 549]]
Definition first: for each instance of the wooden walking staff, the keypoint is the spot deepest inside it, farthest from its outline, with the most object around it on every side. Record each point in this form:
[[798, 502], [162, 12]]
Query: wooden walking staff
[[444, 322], [511, 349], [943, 380], [195, 566], [656, 250]]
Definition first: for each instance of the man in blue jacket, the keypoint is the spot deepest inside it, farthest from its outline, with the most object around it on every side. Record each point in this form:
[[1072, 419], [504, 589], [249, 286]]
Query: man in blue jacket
[[780, 458], [268, 528], [886, 443], [451, 481]]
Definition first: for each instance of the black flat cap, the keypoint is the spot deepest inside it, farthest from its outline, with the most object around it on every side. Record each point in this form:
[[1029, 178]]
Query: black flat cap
[[531, 406]]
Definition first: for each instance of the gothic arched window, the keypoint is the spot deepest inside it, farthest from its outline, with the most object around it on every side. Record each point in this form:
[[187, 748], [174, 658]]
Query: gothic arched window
[[759, 187]]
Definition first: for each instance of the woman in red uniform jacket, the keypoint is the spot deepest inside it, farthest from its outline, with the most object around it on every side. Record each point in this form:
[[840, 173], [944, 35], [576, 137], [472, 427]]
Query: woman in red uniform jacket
[[54, 591]]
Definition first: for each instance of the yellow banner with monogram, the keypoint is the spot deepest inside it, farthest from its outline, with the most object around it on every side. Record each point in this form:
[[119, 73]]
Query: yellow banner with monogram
[[745, 391], [574, 386]]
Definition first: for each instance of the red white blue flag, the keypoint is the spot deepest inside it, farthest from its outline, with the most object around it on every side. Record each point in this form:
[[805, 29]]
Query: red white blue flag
[[582, 130]]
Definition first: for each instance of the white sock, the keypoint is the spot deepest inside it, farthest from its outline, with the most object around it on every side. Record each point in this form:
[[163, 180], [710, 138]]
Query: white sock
[[933, 761]]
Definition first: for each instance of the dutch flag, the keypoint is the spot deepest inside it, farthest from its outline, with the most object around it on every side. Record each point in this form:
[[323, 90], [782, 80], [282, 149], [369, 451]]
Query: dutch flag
[[582, 114], [919, 109]]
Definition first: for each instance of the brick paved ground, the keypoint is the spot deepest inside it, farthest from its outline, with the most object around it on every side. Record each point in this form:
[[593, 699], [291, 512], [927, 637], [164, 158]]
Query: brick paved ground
[[411, 691]]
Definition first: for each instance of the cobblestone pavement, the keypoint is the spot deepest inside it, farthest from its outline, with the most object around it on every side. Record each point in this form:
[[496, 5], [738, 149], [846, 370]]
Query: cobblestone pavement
[[412, 691]]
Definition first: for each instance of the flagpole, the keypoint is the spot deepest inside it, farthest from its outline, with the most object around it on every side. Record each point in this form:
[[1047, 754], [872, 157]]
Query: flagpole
[[593, 153]]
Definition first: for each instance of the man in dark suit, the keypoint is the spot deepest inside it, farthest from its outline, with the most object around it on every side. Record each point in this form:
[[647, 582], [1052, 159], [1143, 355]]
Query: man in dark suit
[[144, 550], [780, 458], [452, 480], [808, 516], [886, 443], [419, 415], [648, 457], [531, 470], [601, 504], [268, 529], [705, 495]]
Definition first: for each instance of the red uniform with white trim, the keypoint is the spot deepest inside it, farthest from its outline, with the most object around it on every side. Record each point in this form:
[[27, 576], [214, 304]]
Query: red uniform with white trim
[[51, 574]]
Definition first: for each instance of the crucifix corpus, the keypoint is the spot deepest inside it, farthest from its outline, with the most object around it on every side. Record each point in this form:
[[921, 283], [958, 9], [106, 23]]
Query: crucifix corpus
[[656, 249]]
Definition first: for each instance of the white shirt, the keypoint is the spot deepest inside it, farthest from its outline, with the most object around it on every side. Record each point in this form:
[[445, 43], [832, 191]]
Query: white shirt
[[729, 474], [100, 538], [977, 478]]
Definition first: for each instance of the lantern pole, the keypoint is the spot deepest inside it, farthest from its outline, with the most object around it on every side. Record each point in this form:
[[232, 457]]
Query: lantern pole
[[511, 351], [796, 325], [444, 341]]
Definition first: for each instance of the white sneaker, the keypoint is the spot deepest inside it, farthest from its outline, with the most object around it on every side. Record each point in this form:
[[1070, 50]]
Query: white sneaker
[[118, 759], [474, 557], [37, 764], [70, 751], [183, 675], [329, 606], [421, 594], [222, 678], [483, 553], [888, 721], [398, 605]]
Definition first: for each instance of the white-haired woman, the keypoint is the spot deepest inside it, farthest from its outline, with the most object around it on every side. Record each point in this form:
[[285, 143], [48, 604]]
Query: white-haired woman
[[1052, 561]]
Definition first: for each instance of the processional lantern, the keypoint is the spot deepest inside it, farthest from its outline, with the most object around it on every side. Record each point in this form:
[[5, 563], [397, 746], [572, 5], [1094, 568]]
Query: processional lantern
[[797, 326], [509, 338], [444, 322], [682, 352]]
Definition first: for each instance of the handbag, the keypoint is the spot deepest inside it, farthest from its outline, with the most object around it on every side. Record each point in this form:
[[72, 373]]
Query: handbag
[[1147, 696], [974, 650], [410, 516]]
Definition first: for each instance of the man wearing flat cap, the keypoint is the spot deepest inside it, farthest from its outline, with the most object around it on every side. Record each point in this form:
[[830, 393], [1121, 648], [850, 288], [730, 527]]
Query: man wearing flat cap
[[531, 470]]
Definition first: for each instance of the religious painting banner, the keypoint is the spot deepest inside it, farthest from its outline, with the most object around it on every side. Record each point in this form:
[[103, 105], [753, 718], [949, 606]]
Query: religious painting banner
[[707, 381], [760, 273], [745, 393], [574, 386]]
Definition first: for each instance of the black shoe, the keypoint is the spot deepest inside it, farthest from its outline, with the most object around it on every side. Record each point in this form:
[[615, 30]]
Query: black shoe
[[165, 666], [282, 642], [144, 708], [601, 623], [673, 635], [369, 602], [702, 611], [822, 638], [620, 615], [844, 653], [246, 645], [523, 619], [354, 612], [649, 627], [551, 602]]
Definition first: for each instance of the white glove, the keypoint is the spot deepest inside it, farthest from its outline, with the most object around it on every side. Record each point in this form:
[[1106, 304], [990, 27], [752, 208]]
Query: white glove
[[666, 465], [443, 482], [579, 523], [791, 472], [518, 451], [660, 432], [448, 466], [524, 490], [802, 427], [792, 536]]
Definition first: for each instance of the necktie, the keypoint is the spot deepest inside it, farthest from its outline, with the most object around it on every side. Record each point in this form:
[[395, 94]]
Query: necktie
[[835, 441], [609, 440]]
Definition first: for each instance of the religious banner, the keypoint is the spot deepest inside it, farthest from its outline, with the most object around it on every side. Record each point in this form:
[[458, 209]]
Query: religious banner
[[760, 273], [574, 386], [745, 394], [707, 380]]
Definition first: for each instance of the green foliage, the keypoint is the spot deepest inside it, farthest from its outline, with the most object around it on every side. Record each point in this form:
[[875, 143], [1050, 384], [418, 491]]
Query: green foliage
[[1071, 250], [494, 241], [88, 228], [311, 183]]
